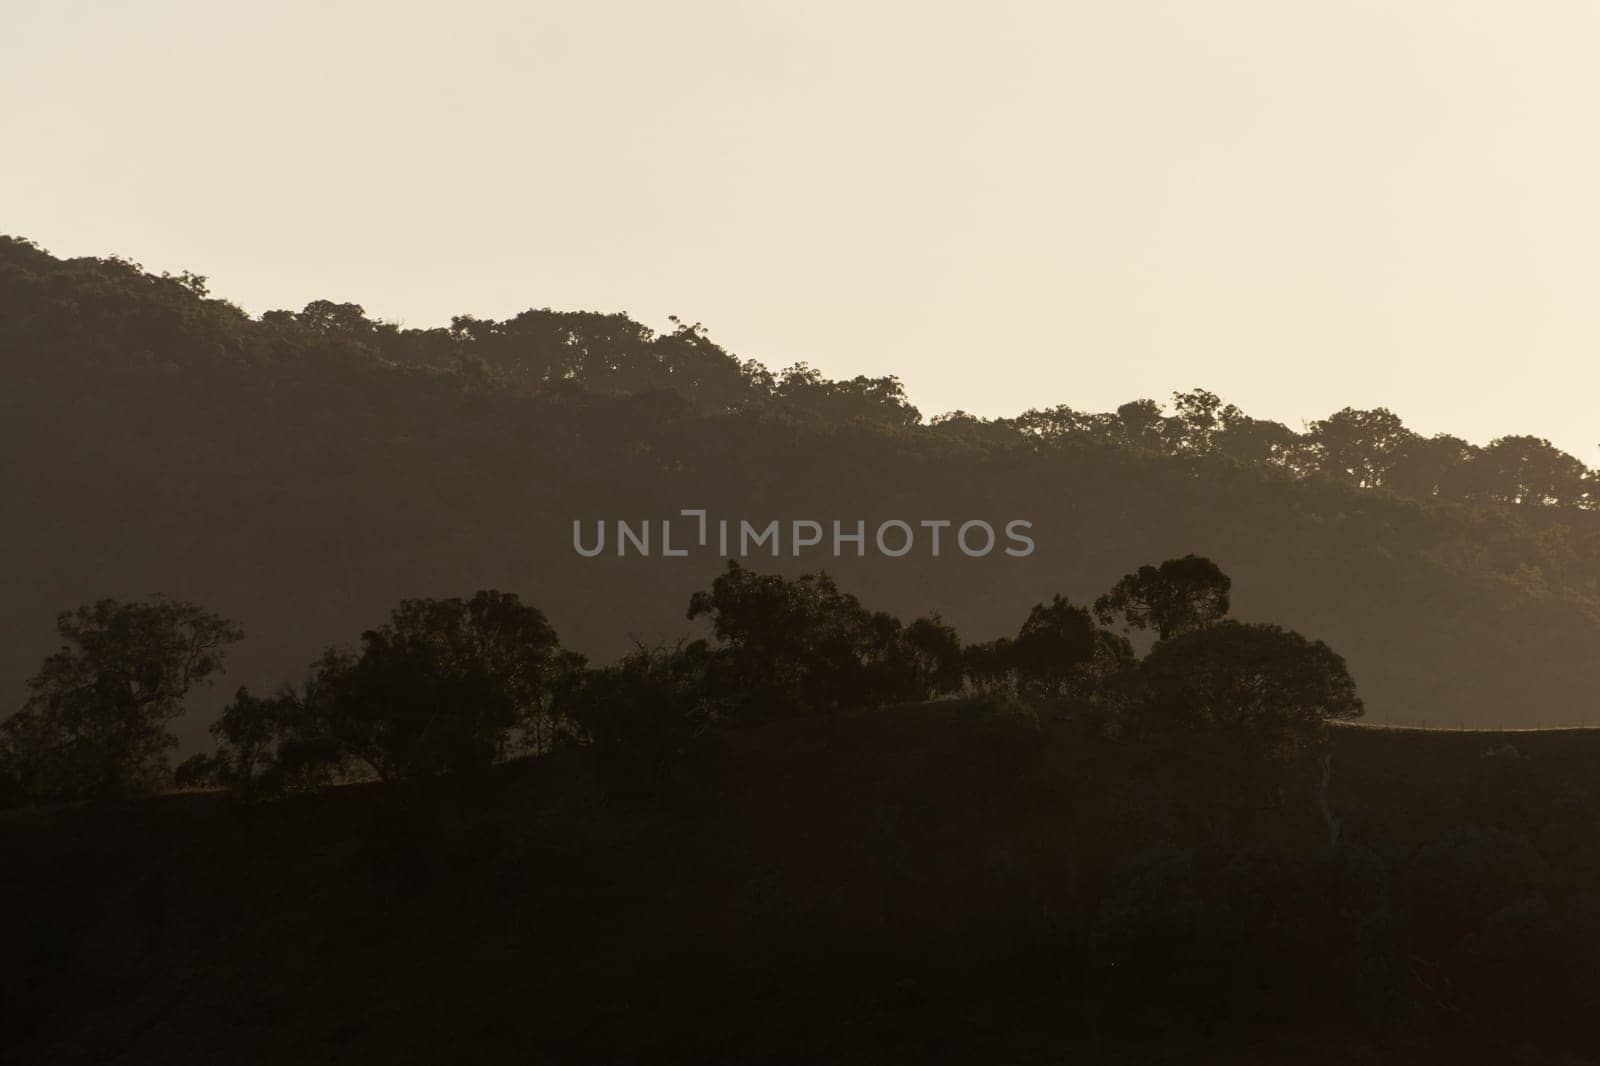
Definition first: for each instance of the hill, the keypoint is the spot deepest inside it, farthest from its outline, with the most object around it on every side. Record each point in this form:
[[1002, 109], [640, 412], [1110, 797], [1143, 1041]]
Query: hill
[[937, 883], [303, 471]]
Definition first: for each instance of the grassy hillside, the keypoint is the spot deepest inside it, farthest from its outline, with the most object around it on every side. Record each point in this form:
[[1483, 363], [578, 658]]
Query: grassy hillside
[[941, 883]]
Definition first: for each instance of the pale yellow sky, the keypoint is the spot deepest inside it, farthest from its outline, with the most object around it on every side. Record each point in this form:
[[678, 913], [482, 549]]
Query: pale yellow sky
[[1300, 206]]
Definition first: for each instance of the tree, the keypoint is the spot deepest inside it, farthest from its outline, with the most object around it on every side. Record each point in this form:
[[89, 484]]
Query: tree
[[1359, 446], [772, 631], [270, 745], [643, 715], [247, 734], [1268, 689], [932, 652], [336, 319], [1176, 597], [1530, 471], [1440, 465], [1253, 441], [803, 391], [1200, 417], [1059, 651], [96, 720], [1139, 424], [1056, 424], [199, 770], [802, 646], [444, 687], [990, 666]]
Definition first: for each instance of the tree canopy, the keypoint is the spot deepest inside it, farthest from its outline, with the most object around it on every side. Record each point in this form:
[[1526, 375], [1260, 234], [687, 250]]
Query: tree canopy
[[1179, 596], [97, 718]]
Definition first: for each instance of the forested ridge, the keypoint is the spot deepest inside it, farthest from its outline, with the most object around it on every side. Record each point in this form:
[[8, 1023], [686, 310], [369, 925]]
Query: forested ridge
[[457, 790], [301, 471]]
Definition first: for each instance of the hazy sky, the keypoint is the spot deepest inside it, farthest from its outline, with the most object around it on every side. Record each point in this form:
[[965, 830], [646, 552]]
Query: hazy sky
[[1298, 205]]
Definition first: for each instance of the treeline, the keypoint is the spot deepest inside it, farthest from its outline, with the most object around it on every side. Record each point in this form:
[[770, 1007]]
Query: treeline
[[290, 475], [95, 304], [1127, 816], [448, 688]]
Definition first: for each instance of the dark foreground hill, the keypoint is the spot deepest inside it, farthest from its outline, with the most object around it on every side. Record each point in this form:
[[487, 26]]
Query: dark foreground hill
[[302, 472], [944, 883]]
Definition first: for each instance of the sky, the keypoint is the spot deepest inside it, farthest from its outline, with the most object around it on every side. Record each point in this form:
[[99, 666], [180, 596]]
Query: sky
[[1298, 206]]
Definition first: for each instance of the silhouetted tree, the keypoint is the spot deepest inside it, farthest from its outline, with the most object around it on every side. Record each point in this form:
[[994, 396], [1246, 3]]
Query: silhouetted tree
[[1140, 425], [1059, 651], [1268, 689], [1055, 638], [270, 745], [97, 716], [1176, 597], [932, 654], [643, 715], [1201, 417], [990, 666], [1253, 441], [445, 687], [1057, 424], [199, 770], [1530, 471], [802, 390], [1440, 465], [802, 646], [1358, 446]]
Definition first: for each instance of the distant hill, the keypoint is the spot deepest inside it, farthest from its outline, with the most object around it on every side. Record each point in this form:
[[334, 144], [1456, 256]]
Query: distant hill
[[303, 471]]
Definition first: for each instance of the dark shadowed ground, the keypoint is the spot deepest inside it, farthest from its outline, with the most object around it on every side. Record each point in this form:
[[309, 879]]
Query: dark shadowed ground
[[924, 884]]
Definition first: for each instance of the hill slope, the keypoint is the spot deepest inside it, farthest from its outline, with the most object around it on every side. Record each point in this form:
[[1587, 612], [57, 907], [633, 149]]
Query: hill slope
[[302, 472], [924, 884]]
